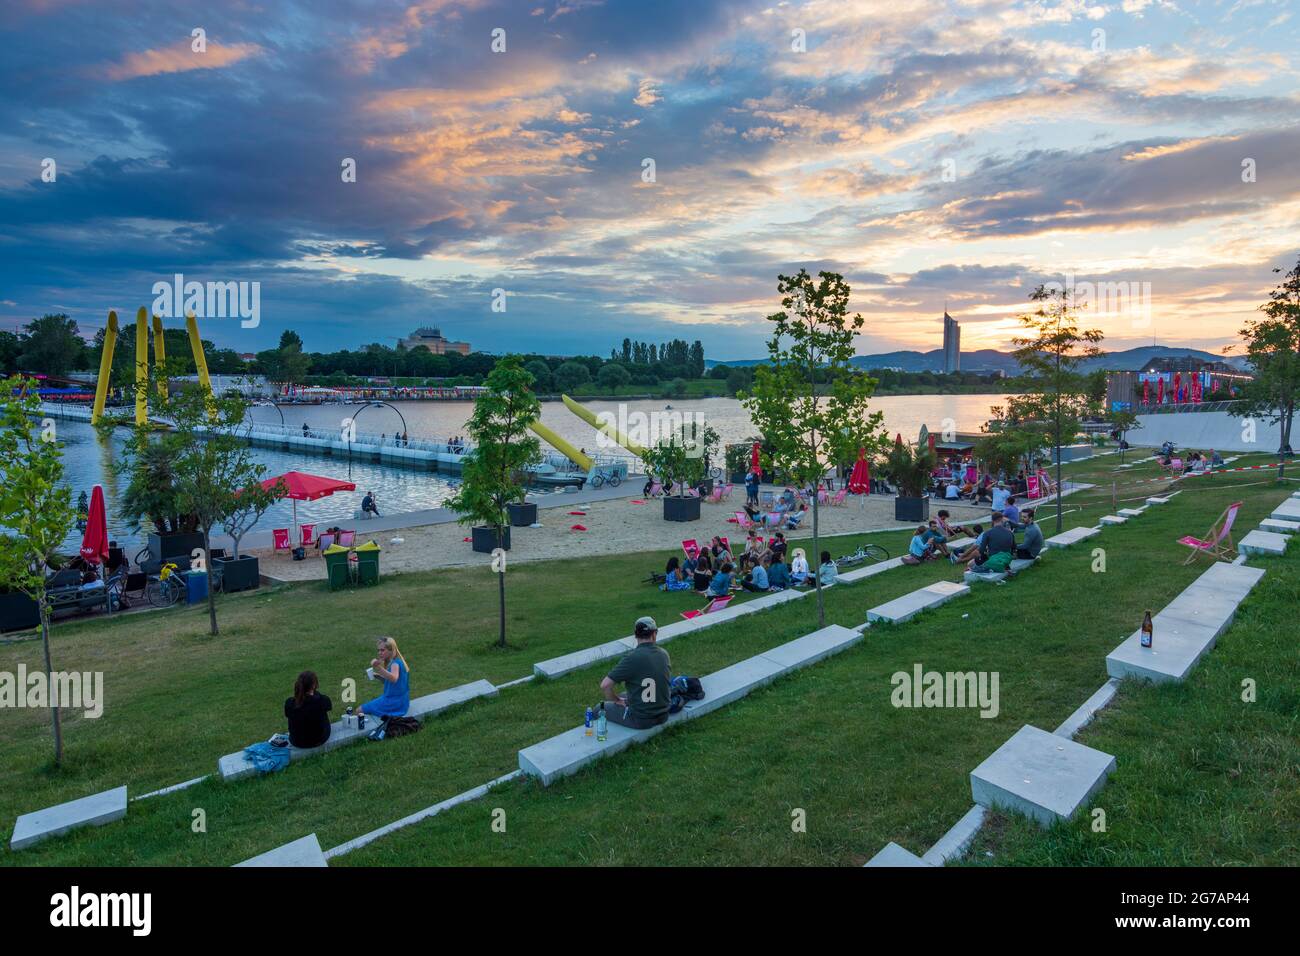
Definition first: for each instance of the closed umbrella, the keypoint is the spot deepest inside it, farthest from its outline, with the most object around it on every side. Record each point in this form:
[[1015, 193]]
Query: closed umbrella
[[1146, 391], [753, 459], [1160, 392], [94, 543], [860, 477]]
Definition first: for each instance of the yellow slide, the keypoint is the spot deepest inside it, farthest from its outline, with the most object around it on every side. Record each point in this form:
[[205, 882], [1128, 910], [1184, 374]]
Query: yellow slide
[[565, 448], [608, 430]]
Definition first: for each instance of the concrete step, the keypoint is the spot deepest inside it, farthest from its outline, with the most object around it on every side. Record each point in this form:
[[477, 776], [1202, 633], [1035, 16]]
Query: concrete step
[[1073, 536], [1279, 526], [1264, 543], [567, 753], [894, 855], [1288, 510], [92, 811], [1114, 519], [923, 599], [237, 766], [1041, 775], [302, 852]]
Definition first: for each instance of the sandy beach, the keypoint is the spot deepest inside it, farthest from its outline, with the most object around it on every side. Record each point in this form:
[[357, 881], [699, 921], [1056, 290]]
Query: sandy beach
[[613, 526]]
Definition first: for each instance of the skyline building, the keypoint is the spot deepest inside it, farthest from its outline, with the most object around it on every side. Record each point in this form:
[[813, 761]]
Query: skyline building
[[951, 344]]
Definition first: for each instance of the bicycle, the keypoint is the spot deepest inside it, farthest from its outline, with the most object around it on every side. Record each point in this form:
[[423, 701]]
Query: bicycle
[[164, 588], [867, 552], [601, 477]]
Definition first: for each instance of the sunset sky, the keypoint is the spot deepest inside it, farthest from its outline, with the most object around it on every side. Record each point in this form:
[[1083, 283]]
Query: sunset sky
[[1115, 157]]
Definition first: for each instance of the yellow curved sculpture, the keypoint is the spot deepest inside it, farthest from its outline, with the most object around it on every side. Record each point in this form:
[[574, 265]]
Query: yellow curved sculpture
[[565, 448], [608, 430], [105, 368], [141, 366]]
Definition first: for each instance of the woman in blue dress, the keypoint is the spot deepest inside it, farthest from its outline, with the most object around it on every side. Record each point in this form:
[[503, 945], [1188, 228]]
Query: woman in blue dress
[[390, 667]]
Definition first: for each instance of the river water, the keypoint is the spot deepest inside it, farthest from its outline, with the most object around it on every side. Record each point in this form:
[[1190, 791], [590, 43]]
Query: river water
[[88, 461]]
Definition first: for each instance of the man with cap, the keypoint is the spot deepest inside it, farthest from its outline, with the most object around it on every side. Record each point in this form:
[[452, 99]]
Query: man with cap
[[644, 674]]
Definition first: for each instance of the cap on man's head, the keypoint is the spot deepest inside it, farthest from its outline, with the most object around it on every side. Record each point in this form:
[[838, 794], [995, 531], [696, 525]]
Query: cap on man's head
[[645, 626]]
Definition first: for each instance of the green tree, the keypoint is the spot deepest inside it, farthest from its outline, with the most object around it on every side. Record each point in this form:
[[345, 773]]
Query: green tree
[[1055, 394], [541, 373], [1273, 344], [289, 337], [35, 505], [612, 375], [571, 375], [503, 452], [10, 349], [52, 345], [213, 476], [811, 426]]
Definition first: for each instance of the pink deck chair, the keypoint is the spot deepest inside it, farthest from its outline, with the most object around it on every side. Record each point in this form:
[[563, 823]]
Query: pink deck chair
[[717, 604], [839, 498], [726, 490], [1213, 542], [690, 547], [656, 489], [716, 496], [308, 535], [324, 541], [346, 538], [742, 519], [281, 538]]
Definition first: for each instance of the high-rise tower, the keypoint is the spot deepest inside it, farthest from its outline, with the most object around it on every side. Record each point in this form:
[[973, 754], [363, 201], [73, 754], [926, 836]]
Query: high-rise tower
[[951, 344]]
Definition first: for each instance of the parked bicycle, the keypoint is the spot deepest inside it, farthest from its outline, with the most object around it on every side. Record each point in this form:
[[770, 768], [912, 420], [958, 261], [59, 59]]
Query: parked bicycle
[[610, 477], [873, 553], [165, 588]]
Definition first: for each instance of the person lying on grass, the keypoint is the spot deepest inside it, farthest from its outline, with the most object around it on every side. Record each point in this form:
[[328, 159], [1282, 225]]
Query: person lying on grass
[[390, 667], [308, 712], [645, 676]]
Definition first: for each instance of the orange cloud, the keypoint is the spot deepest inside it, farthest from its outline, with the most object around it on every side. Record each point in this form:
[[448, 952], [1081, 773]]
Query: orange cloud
[[180, 58]]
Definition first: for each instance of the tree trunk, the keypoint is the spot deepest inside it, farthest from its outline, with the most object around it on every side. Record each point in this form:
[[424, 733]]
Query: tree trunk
[[1059, 490], [1287, 421], [49, 681], [212, 598], [816, 564]]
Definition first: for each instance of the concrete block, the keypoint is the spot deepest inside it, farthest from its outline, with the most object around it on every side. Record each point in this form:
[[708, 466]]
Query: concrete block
[[812, 648], [1279, 526], [236, 766], [923, 599], [559, 666], [1073, 536], [1021, 564], [1130, 512], [895, 855], [92, 811], [972, 577], [1158, 501], [1288, 510], [1266, 543], [1041, 775], [1114, 519], [1235, 579], [302, 852], [1177, 645], [1082, 717], [954, 843], [871, 570]]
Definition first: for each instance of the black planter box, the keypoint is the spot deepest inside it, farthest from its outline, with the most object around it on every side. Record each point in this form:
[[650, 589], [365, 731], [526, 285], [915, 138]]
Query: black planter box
[[681, 509], [522, 515], [484, 540], [706, 487], [914, 510], [239, 574], [170, 547], [18, 612]]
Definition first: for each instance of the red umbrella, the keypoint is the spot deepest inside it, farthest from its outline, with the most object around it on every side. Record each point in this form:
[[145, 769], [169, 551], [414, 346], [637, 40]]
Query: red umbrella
[[1146, 392], [860, 477], [94, 543], [753, 459], [301, 486], [1178, 387], [1160, 392]]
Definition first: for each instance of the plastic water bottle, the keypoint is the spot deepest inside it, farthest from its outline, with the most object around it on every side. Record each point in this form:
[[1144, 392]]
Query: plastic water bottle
[[1147, 630], [586, 723], [602, 725]]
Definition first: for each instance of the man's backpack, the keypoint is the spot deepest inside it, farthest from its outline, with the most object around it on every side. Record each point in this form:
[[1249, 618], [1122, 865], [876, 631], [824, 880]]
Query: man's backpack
[[683, 689], [401, 726]]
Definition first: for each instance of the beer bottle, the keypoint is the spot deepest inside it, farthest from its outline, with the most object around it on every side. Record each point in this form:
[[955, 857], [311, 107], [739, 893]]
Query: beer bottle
[[1146, 630]]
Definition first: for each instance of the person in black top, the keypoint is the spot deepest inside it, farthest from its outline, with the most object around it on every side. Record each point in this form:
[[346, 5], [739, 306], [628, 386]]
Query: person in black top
[[308, 713]]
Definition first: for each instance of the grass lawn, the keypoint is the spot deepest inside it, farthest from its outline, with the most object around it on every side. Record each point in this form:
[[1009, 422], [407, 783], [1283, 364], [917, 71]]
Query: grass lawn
[[718, 790]]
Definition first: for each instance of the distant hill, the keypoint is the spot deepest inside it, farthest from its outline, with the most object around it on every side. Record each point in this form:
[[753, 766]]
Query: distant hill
[[991, 360]]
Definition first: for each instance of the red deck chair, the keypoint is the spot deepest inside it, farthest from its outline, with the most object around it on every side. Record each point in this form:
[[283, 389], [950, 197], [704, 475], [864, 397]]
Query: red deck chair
[[742, 519], [690, 547], [308, 535], [346, 538], [281, 538], [1213, 542], [717, 604]]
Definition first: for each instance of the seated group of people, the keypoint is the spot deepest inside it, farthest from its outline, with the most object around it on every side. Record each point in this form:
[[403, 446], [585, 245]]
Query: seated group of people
[[987, 551], [1195, 462], [713, 572], [308, 710]]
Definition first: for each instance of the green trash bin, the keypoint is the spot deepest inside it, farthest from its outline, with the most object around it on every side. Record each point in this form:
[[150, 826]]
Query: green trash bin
[[336, 567], [368, 563]]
